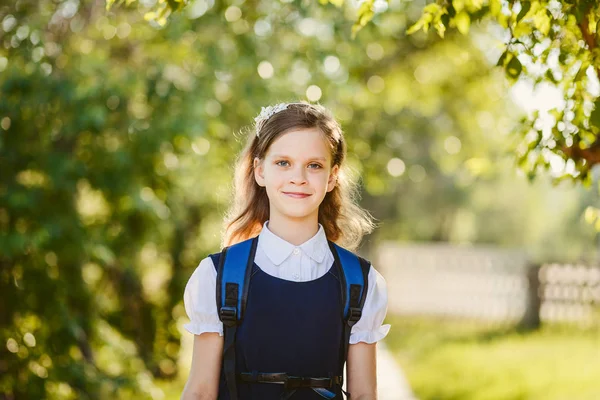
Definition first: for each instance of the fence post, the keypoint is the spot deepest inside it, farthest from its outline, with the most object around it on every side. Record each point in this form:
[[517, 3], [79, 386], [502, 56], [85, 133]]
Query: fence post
[[531, 318]]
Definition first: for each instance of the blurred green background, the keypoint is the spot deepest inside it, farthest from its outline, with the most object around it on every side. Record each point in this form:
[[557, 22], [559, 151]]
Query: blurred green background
[[118, 138]]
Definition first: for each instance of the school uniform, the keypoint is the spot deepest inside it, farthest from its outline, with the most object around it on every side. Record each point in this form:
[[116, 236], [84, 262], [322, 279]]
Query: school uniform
[[293, 318]]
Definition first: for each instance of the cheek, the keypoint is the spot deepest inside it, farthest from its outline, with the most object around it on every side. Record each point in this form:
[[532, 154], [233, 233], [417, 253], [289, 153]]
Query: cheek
[[274, 178], [319, 180]]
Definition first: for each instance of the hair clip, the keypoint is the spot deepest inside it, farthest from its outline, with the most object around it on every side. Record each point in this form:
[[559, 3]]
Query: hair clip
[[267, 112]]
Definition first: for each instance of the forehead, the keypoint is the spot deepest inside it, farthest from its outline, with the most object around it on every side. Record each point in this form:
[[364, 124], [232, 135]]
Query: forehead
[[301, 143]]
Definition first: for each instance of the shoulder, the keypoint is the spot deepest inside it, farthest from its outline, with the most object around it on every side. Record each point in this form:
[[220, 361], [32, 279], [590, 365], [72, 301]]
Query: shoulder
[[203, 272], [199, 299], [200, 288], [245, 244], [215, 259], [242, 248]]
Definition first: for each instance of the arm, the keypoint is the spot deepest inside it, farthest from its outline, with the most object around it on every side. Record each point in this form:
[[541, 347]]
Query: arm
[[201, 308], [361, 367], [361, 371], [203, 381]]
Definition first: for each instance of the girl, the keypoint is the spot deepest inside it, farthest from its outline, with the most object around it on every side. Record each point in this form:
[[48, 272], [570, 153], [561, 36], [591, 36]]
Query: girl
[[293, 195]]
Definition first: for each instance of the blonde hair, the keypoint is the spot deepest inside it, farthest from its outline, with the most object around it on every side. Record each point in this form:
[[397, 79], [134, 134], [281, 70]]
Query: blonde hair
[[343, 220]]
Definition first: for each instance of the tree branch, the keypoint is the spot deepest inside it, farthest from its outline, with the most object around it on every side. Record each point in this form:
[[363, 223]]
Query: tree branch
[[591, 154]]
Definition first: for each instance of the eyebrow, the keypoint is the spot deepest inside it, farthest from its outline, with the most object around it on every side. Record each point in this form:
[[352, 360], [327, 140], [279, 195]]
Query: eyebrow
[[311, 158]]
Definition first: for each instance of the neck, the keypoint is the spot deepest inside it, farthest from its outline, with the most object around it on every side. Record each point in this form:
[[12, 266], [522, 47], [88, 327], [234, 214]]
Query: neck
[[294, 231]]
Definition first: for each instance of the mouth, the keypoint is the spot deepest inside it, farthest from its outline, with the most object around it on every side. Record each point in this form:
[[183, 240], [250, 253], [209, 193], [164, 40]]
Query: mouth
[[296, 195]]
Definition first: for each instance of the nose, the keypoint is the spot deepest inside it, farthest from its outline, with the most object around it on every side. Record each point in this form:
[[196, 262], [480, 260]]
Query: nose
[[298, 176]]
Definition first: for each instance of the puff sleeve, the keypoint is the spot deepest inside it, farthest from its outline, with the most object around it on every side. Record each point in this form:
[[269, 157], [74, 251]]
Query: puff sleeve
[[369, 328], [199, 299]]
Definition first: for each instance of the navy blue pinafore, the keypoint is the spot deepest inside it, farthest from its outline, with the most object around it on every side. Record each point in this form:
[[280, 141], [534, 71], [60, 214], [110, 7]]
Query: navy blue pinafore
[[292, 327]]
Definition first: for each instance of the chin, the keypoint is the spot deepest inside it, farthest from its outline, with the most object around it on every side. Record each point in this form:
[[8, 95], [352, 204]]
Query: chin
[[297, 214]]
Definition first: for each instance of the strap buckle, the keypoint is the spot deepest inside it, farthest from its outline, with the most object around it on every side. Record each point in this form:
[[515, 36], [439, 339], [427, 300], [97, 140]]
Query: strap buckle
[[290, 381], [228, 314], [295, 382], [354, 315]]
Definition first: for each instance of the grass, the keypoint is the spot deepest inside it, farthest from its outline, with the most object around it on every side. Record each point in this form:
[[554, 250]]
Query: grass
[[452, 360]]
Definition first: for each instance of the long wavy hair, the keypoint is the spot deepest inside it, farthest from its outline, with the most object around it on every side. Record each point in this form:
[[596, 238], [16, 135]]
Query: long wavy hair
[[343, 220]]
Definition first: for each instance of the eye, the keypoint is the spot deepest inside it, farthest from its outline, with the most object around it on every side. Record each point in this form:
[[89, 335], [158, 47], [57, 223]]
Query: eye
[[282, 163], [315, 165]]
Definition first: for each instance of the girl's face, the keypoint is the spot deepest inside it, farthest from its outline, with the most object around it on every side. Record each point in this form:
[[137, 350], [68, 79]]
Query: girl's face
[[296, 173]]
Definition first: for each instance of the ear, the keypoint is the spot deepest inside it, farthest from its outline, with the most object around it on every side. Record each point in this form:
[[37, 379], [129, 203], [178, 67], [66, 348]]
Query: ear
[[333, 176], [259, 173]]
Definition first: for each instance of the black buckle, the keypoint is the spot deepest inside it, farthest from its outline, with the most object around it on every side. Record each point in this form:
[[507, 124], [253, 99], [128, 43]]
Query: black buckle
[[290, 381], [296, 382], [354, 314], [228, 314]]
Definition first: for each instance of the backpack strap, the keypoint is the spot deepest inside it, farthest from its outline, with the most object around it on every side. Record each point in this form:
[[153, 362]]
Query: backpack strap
[[354, 284], [233, 278]]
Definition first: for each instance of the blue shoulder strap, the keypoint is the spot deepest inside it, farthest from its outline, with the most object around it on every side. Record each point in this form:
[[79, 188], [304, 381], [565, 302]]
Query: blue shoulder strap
[[235, 267], [354, 283], [233, 280], [233, 273]]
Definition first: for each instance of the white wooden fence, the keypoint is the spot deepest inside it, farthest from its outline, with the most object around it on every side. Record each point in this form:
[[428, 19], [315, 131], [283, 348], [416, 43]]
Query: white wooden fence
[[486, 283]]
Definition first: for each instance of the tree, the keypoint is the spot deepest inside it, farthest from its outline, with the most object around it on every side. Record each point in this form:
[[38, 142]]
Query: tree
[[94, 227], [545, 42], [117, 138]]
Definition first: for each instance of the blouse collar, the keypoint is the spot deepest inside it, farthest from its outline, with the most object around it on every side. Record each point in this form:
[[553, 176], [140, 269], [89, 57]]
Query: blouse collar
[[278, 249]]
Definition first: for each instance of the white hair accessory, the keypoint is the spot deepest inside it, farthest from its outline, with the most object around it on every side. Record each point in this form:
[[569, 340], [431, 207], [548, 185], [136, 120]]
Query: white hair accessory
[[266, 112]]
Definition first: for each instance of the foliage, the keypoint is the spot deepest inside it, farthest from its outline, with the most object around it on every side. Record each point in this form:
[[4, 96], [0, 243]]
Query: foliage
[[160, 10], [453, 359], [117, 138], [93, 233], [547, 41], [552, 43]]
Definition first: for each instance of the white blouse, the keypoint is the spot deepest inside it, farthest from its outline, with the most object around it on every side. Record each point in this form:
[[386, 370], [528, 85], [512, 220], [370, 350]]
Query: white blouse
[[281, 259]]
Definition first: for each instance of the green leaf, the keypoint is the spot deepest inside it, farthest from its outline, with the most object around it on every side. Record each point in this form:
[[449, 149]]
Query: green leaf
[[459, 5], [581, 73], [415, 27], [463, 22], [440, 28], [495, 7], [445, 20], [176, 4], [432, 14], [502, 59], [542, 21], [365, 14], [525, 7], [474, 4], [514, 68], [432, 8], [550, 76]]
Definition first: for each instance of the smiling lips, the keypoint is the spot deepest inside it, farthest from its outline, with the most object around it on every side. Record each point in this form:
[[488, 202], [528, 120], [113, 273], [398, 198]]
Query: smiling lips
[[296, 195]]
